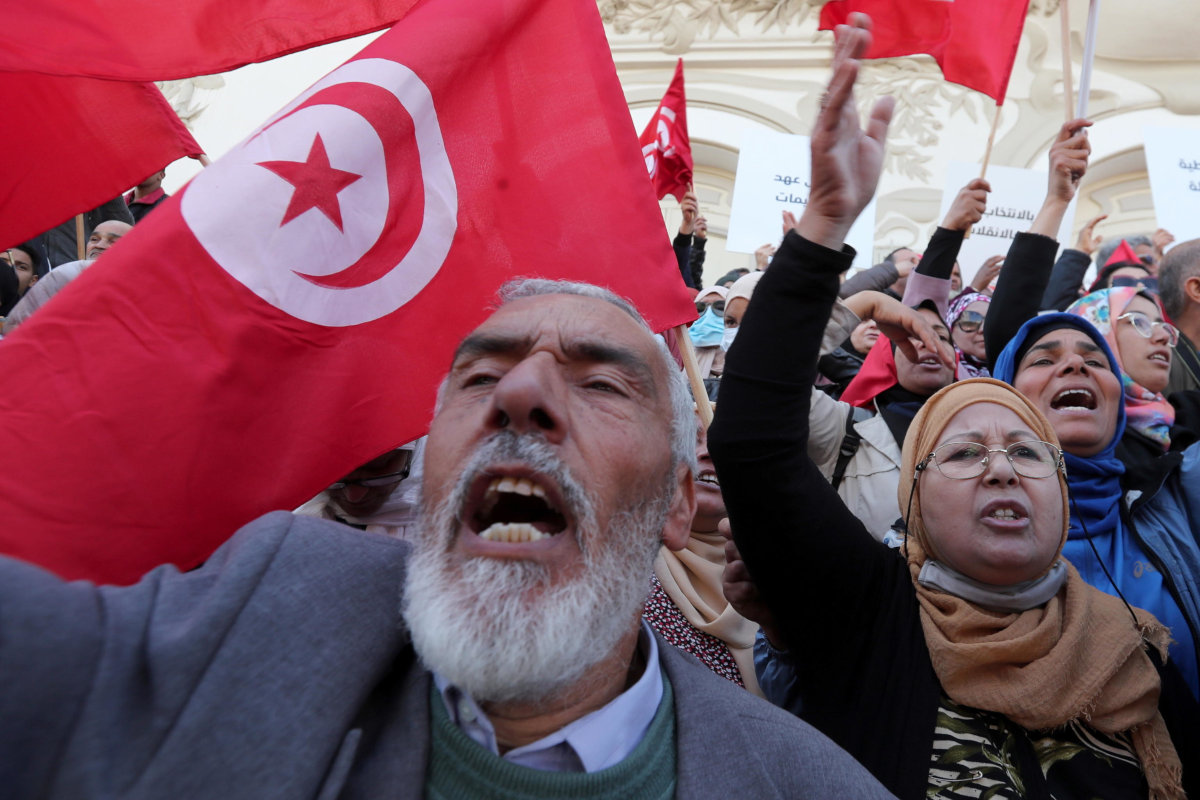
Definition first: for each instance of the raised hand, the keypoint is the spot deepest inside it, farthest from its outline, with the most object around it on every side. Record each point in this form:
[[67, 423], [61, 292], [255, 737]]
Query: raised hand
[[1068, 164], [1162, 239], [968, 206], [987, 273], [1089, 240], [846, 159], [901, 324], [690, 207], [1069, 160]]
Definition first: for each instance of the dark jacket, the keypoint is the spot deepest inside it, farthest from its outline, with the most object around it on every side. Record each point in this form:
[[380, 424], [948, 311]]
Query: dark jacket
[[280, 669], [843, 601]]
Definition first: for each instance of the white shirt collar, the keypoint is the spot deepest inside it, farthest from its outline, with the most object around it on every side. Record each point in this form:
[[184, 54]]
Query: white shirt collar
[[595, 741]]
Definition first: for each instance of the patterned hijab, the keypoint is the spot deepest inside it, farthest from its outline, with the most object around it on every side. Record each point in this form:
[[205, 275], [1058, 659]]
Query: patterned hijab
[[1146, 412], [968, 366], [1078, 656]]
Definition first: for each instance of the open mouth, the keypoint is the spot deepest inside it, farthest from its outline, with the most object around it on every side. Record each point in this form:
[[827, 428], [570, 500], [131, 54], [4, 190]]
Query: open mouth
[[1005, 511], [708, 477], [1074, 400], [1159, 355], [516, 509]]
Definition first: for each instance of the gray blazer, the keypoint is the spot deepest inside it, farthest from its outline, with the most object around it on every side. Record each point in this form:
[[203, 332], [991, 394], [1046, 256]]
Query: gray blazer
[[280, 669]]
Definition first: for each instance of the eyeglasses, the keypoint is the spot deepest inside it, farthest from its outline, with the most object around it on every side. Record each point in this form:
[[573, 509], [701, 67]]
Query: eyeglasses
[[718, 307], [1145, 326], [370, 483], [969, 322], [962, 460]]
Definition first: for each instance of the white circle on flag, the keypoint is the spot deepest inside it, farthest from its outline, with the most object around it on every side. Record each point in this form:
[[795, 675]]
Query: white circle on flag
[[236, 207]]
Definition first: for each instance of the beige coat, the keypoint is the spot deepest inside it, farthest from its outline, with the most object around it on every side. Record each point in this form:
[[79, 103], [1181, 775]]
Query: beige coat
[[868, 487]]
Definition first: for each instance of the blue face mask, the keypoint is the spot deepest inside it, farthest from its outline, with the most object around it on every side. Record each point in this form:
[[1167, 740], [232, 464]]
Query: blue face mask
[[727, 338], [707, 331]]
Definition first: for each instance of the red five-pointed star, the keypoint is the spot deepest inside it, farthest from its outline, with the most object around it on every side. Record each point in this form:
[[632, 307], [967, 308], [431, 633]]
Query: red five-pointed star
[[317, 184]]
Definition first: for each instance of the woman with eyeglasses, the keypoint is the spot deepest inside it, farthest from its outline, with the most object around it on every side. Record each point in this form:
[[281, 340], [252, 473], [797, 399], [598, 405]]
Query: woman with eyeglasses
[[974, 662], [1131, 322], [1138, 544], [1135, 505], [978, 661], [964, 318]]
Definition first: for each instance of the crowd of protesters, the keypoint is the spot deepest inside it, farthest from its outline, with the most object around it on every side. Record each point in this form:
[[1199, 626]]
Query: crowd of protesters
[[953, 528]]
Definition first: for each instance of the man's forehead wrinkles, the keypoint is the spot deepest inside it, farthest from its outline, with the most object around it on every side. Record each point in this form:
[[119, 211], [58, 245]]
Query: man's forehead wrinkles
[[591, 347], [487, 342]]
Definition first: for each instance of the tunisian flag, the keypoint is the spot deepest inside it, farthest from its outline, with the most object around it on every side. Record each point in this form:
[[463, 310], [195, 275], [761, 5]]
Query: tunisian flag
[[665, 144], [973, 41], [157, 40], [71, 144], [290, 313]]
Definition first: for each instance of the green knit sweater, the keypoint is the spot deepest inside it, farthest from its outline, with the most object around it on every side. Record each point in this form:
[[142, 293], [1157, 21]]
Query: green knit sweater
[[459, 768]]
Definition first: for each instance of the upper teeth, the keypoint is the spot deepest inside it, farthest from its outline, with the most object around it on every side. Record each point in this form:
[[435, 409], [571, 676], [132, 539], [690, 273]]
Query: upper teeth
[[512, 532], [708, 477], [1084, 397], [1004, 513], [1159, 357], [518, 485]]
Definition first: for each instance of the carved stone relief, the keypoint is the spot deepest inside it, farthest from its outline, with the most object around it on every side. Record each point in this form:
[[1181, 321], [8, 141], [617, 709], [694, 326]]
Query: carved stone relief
[[761, 44], [183, 97]]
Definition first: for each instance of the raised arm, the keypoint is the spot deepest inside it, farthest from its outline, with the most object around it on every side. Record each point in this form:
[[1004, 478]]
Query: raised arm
[[1067, 276], [682, 243], [786, 518], [931, 280], [1026, 271]]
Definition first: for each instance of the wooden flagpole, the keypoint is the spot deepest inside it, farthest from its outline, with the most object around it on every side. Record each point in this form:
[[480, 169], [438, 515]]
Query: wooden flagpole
[[693, 372], [987, 155], [80, 249], [688, 355]]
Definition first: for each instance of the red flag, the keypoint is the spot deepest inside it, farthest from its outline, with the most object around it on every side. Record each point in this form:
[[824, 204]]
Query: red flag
[[665, 143], [973, 41], [1123, 252], [289, 314], [71, 144], [156, 40]]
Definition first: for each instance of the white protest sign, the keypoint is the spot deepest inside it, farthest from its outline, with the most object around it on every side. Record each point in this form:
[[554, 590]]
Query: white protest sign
[[772, 177], [1016, 197], [1173, 163]]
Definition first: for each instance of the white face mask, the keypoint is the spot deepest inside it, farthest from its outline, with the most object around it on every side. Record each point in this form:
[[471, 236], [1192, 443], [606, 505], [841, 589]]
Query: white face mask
[[727, 338]]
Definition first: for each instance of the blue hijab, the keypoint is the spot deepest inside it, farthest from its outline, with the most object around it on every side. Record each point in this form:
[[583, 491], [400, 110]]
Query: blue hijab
[[1094, 481]]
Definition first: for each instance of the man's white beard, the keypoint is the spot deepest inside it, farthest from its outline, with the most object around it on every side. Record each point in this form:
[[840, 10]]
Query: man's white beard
[[498, 629]]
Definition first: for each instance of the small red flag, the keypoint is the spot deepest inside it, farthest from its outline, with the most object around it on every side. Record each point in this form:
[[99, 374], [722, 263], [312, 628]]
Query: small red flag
[[973, 41], [665, 144], [1123, 252], [157, 40], [288, 315], [71, 144]]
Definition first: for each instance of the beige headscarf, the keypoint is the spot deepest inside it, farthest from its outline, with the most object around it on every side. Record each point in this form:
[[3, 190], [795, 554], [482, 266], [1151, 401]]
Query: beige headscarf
[[691, 577], [1078, 657], [743, 287]]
